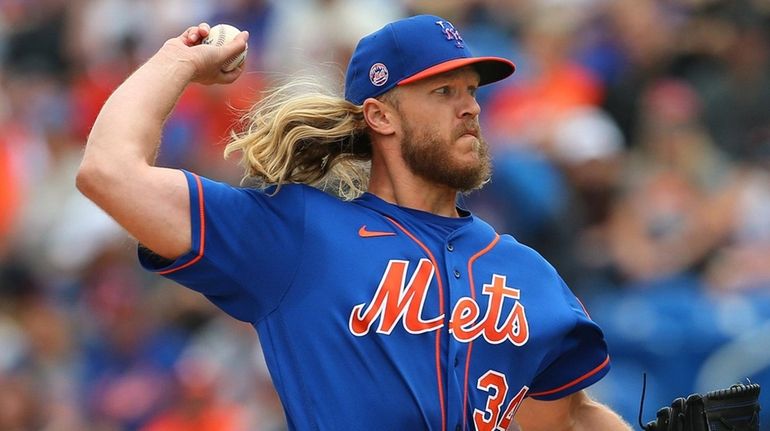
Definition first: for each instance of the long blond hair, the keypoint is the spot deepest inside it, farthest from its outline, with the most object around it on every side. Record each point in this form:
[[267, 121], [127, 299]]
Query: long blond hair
[[300, 133]]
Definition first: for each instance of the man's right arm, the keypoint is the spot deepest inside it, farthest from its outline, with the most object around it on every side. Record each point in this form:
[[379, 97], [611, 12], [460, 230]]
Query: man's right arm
[[118, 172]]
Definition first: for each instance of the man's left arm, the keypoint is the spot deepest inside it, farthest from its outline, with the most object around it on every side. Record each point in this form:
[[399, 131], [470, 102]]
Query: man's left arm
[[575, 412]]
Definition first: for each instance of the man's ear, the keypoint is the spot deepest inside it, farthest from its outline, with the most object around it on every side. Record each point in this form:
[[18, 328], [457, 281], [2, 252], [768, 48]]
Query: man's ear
[[380, 116]]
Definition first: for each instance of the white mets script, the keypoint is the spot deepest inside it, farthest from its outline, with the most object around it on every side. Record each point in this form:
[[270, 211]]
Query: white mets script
[[397, 301]]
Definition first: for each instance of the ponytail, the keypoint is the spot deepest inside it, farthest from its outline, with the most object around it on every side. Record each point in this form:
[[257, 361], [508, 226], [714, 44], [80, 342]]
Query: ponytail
[[298, 133]]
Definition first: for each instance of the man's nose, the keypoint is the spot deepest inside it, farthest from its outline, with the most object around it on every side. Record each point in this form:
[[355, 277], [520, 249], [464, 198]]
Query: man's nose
[[470, 107]]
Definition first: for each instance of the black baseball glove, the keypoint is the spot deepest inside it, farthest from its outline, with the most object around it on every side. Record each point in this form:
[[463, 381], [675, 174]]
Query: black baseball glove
[[732, 409]]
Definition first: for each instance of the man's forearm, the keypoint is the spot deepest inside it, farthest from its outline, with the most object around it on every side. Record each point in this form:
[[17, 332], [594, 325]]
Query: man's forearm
[[128, 128], [576, 412], [594, 416]]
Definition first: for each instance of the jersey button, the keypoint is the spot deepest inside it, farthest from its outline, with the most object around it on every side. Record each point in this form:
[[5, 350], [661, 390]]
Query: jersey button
[[457, 274], [450, 247]]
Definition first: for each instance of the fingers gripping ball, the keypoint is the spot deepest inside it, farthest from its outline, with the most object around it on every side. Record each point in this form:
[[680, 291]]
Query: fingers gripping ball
[[219, 35]]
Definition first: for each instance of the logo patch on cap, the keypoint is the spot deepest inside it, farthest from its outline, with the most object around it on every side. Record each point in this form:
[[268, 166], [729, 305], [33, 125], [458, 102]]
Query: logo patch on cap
[[451, 33], [378, 74]]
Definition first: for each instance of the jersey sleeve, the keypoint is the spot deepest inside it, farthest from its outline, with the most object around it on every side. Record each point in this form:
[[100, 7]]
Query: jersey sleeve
[[245, 246], [578, 361]]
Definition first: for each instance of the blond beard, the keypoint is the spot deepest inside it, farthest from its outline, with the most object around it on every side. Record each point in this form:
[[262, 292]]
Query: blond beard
[[426, 155]]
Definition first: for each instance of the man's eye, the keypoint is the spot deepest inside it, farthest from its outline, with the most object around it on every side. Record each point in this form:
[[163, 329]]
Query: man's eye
[[442, 90]]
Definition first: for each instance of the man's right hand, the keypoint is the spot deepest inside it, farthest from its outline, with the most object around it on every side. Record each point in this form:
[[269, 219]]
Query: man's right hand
[[205, 62]]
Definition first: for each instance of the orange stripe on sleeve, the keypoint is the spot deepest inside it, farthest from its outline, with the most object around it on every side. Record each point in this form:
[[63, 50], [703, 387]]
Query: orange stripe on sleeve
[[202, 234], [574, 382], [583, 307]]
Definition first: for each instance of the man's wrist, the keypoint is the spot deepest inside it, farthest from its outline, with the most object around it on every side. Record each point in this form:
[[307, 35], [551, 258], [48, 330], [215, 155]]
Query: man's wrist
[[169, 63]]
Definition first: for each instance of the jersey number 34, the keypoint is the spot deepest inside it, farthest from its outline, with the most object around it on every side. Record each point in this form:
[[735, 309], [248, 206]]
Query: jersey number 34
[[493, 418]]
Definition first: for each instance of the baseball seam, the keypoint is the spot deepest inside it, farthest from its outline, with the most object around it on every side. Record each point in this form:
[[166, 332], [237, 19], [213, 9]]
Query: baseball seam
[[218, 38], [221, 38]]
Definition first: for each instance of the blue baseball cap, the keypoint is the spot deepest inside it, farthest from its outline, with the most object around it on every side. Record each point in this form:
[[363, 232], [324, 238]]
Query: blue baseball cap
[[411, 49]]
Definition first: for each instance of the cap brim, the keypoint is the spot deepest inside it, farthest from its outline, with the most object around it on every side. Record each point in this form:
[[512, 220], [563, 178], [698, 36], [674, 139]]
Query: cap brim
[[491, 69]]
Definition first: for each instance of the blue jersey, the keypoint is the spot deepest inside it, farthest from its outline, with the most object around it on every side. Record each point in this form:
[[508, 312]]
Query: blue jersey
[[373, 316]]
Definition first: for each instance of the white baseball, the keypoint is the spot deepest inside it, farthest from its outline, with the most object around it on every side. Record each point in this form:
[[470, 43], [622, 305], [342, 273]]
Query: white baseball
[[219, 35]]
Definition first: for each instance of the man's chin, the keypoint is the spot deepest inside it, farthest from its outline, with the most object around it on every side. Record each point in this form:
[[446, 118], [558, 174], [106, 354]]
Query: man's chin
[[472, 177], [471, 141]]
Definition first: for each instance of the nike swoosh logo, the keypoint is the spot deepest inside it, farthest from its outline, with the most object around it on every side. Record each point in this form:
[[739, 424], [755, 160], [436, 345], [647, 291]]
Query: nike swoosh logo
[[363, 233]]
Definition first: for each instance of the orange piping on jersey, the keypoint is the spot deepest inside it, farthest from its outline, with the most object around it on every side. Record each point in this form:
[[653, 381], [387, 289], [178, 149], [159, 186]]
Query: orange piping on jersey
[[584, 308], [574, 382], [441, 311], [470, 343], [202, 233]]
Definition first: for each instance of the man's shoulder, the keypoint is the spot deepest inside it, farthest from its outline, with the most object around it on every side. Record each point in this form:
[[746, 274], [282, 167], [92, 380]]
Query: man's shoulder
[[518, 252], [315, 196], [321, 205], [293, 191]]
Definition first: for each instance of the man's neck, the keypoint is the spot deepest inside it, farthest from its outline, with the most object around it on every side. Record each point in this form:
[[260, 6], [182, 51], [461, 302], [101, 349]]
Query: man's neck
[[401, 187]]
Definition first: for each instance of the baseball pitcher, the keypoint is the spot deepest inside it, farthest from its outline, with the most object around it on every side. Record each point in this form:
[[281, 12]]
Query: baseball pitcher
[[380, 304]]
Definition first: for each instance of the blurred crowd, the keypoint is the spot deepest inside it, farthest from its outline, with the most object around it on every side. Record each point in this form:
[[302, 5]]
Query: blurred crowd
[[631, 148]]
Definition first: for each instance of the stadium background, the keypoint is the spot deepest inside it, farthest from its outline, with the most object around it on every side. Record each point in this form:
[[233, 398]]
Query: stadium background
[[632, 149]]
